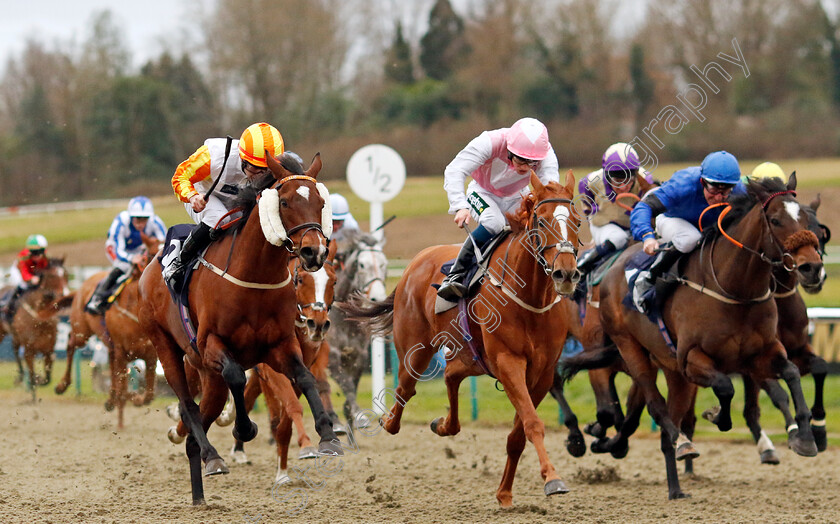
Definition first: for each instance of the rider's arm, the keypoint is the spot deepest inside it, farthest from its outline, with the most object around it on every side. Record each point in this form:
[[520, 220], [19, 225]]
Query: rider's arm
[[118, 233], [158, 228], [190, 171], [643, 214], [548, 169], [477, 152]]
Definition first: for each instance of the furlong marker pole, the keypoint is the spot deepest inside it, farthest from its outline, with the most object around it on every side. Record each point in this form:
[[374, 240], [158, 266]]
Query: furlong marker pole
[[377, 344]]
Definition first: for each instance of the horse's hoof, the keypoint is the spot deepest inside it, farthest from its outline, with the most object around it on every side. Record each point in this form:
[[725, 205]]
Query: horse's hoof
[[678, 495], [339, 429], [249, 435], [687, 450], [593, 429], [199, 502], [282, 478], [60, 388], [238, 456], [109, 406], [802, 447], [711, 414], [769, 456], [309, 452], [173, 435], [215, 466], [330, 447], [361, 421], [173, 412], [600, 445], [435, 423], [555, 487], [620, 451], [576, 445], [819, 435]]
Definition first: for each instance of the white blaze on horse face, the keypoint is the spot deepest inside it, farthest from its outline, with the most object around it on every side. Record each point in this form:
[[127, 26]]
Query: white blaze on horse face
[[793, 210], [561, 215], [321, 279], [303, 191]]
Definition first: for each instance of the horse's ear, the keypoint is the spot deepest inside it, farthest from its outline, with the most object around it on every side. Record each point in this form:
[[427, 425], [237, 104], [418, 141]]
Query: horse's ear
[[570, 182], [536, 184], [644, 185], [315, 166], [277, 170], [791, 185], [815, 204]]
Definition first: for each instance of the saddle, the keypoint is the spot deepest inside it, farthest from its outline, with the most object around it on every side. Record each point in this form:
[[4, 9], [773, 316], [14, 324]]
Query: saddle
[[475, 273]]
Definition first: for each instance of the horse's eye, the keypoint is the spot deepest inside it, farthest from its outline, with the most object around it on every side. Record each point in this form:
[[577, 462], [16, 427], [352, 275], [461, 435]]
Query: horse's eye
[[284, 202], [775, 222]]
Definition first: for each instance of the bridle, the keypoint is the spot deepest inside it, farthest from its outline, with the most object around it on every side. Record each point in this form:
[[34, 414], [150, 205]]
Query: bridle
[[533, 229], [306, 226], [314, 306], [784, 249], [353, 262]]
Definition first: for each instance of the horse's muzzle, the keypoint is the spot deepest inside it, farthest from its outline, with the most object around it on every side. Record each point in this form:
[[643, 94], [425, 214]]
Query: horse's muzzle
[[312, 258], [565, 280], [811, 276]]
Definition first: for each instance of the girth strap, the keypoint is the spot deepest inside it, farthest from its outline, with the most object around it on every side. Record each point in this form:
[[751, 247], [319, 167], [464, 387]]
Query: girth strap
[[243, 283]]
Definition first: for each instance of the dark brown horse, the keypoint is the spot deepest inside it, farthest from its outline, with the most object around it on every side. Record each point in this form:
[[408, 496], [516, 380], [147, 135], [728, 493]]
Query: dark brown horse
[[244, 315], [315, 292], [722, 320], [35, 323], [516, 329]]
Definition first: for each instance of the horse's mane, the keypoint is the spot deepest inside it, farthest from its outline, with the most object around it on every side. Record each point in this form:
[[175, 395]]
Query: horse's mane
[[757, 190], [518, 220]]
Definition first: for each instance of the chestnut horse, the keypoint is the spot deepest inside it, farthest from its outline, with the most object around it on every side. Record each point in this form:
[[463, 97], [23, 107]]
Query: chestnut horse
[[720, 321], [35, 323], [119, 331], [517, 331], [243, 314]]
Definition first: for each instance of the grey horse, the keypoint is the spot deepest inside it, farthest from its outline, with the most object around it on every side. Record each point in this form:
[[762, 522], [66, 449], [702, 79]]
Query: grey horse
[[361, 269]]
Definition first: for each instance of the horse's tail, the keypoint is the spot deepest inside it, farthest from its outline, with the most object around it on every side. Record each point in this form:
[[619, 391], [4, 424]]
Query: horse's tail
[[377, 316], [590, 359]]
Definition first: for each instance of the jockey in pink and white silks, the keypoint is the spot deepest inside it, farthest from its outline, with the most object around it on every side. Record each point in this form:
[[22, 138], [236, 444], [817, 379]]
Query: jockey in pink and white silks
[[500, 162]]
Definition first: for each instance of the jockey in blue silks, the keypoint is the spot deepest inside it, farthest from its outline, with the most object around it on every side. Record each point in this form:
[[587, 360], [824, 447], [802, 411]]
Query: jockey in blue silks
[[672, 210]]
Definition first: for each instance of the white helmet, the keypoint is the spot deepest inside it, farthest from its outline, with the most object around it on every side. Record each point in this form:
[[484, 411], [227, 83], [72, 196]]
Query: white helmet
[[340, 208], [140, 207]]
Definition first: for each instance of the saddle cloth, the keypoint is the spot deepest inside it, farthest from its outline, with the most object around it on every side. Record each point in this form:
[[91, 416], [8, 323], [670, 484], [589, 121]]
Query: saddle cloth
[[473, 276], [175, 237]]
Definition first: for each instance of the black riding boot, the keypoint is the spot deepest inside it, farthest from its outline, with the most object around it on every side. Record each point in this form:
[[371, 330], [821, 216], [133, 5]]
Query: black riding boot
[[199, 239], [99, 300], [452, 288], [663, 263], [590, 259]]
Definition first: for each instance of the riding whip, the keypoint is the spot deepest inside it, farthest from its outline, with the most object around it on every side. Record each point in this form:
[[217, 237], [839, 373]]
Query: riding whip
[[222, 172]]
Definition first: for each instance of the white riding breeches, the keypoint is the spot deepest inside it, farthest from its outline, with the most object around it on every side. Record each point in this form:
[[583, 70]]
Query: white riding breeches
[[488, 209], [681, 233], [612, 232]]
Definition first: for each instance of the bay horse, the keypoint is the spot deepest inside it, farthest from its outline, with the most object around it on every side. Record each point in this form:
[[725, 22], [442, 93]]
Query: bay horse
[[793, 333], [517, 334], [315, 293], [35, 322], [362, 268], [244, 315], [720, 322]]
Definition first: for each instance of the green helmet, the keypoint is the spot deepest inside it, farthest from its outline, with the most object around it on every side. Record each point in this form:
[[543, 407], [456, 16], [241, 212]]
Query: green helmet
[[36, 242]]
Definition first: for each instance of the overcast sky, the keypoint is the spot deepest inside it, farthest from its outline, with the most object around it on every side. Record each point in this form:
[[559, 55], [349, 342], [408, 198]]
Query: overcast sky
[[147, 23]]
